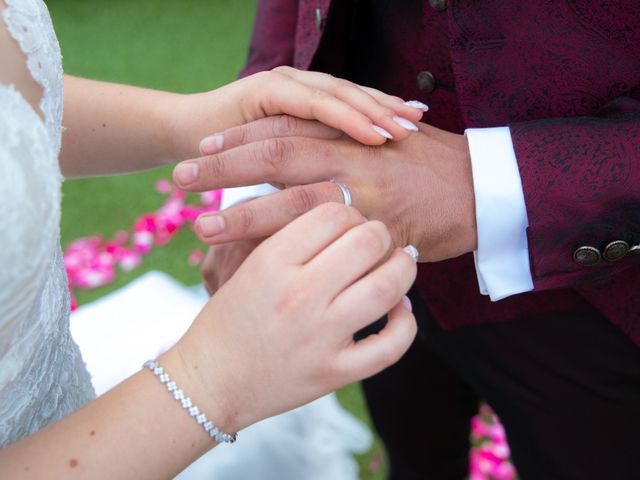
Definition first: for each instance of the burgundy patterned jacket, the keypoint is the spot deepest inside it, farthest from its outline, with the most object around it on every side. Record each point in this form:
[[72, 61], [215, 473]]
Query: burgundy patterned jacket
[[565, 76]]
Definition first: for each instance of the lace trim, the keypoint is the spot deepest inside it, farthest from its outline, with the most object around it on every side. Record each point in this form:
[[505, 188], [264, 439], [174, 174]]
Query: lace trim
[[29, 23]]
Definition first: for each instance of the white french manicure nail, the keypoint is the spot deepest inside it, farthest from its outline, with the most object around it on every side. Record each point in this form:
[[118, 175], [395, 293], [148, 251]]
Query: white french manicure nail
[[186, 173], [417, 104], [404, 123], [406, 303], [212, 144], [382, 132], [412, 252]]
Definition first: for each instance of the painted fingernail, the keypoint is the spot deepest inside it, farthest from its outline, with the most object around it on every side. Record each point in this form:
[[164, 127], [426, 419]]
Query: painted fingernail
[[412, 252], [186, 173], [212, 144], [382, 132], [211, 225], [404, 123], [417, 104], [406, 303]]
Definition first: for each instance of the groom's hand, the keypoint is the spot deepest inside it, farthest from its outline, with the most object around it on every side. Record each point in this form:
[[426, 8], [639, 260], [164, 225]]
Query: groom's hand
[[222, 261], [421, 188]]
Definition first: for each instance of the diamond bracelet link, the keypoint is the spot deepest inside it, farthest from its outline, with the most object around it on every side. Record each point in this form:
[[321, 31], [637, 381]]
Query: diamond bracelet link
[[187, 404]]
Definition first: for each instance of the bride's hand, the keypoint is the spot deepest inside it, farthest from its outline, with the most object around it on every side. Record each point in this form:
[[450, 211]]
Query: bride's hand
[[367, 115], [280, 333]]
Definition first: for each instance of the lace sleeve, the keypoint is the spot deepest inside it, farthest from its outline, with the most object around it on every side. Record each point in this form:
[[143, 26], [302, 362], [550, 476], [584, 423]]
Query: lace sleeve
[[14, 61]]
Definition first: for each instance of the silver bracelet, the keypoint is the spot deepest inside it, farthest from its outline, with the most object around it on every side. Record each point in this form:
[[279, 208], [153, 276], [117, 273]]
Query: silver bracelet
[[188, 405]]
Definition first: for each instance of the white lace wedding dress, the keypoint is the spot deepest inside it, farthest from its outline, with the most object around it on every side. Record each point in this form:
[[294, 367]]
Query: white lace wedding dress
[[42, 376]]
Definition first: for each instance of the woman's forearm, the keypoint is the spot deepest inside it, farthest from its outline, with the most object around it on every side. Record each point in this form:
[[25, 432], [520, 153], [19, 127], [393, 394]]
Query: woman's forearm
[[136, 431], [112, 128]]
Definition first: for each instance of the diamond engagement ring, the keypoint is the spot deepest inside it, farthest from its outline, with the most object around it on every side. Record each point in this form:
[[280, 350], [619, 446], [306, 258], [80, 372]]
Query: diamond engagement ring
[[346, 193]]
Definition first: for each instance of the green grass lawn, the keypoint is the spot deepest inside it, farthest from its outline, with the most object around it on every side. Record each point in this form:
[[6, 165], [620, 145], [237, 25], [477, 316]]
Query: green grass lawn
[[181, 46]]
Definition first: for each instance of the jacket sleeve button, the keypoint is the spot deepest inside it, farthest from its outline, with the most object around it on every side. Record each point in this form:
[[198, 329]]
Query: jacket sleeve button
[[587, 256], [616, 251]]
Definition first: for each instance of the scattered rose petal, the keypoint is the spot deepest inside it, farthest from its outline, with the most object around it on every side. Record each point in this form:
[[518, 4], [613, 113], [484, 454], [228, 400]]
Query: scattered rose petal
[[91, 261], [195, 257], [164, 186]]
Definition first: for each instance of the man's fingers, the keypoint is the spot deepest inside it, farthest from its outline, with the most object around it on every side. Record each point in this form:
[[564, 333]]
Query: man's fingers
[[266, 215], [289, 161], [379, 351], [222, 261], [376, 293], [265, 128]]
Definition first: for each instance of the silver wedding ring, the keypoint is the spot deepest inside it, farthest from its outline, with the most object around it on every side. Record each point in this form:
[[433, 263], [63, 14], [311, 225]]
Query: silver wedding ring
[[346, 193]]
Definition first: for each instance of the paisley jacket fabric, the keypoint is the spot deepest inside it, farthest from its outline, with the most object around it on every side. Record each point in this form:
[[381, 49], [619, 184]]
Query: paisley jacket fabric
[[564, 76]]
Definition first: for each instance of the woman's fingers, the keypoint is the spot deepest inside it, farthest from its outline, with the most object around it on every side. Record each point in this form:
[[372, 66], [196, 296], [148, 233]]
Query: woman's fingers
[[286, 95], [349, 258], [412, 109], [376, 352], [304, 238], [270, 127], [266, 215], [394, 117], [376, 293]]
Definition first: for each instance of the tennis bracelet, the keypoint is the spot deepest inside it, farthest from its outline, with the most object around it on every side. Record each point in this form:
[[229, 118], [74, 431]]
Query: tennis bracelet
[[188, 405]]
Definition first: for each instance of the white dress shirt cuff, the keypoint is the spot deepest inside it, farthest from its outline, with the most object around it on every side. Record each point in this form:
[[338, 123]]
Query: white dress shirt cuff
[[233, 196], [502, 258]]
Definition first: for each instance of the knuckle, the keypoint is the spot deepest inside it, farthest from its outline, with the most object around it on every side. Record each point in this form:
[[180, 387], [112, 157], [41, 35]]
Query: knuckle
[[247, 218], [262, 76], [301, 200], [284, 125], [342, 84], [383, 289], [319, 96], [214, 167], [383, 113], [340, 215], [275, 152], [296, 298], [282, 69], [390, 353], [382, 230], [371, 240]]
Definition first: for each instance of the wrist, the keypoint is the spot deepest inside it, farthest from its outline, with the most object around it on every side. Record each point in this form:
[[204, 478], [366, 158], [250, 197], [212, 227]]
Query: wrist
[[198, 115], [468, 222], [181, 121], [206, 385], [460, 234]]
